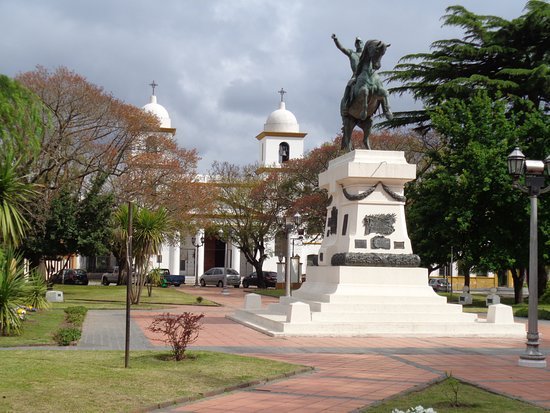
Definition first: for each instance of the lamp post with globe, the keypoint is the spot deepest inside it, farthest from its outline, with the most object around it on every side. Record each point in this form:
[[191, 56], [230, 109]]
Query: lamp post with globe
[[197, 243], [533, 172]]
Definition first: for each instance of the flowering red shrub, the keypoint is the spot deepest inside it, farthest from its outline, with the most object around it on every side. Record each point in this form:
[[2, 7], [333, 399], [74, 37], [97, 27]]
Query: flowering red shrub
[[179, 330]]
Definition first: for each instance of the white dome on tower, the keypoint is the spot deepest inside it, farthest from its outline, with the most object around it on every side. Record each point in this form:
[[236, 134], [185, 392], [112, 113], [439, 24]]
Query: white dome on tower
[[281, 120], [159, 111]]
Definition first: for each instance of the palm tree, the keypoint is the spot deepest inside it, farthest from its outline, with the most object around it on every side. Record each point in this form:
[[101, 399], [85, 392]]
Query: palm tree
[[120, 238], [151, 229]]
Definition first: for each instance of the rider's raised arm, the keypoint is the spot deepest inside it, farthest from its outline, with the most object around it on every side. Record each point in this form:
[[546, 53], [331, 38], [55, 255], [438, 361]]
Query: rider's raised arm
[[347, 52]]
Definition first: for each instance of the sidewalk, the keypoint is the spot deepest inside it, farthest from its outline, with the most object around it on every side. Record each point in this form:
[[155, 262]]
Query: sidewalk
[[351, 373]]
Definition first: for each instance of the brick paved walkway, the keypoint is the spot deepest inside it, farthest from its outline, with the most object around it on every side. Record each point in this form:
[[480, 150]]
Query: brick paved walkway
[[350, 373]]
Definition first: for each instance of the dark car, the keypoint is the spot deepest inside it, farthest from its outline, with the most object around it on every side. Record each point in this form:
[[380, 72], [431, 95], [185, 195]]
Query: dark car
[[270, 278], [70, 276]]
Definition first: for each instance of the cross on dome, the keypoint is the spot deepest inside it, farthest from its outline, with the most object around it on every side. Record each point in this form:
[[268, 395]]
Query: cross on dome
[[282, 93], [153, 85]]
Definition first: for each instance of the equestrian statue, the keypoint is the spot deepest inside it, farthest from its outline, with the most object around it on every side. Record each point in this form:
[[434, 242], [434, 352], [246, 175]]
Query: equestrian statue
[[364, 92]]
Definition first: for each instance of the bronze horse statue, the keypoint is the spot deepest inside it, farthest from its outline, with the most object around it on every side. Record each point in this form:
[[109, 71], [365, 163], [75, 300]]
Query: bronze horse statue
[[364, 95]]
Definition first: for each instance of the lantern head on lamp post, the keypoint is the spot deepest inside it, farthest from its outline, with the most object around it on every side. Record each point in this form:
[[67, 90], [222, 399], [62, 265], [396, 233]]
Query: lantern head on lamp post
[[516, 163], [534, 186], [197, 243]]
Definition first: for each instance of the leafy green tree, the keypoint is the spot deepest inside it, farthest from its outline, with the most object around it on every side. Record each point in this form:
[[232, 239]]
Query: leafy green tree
[[23, 120], [21, 127], [466, 200], [74, 225], [509, 58]]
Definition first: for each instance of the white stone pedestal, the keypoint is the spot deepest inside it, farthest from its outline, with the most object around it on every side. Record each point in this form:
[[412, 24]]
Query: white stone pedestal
[[368, 282]]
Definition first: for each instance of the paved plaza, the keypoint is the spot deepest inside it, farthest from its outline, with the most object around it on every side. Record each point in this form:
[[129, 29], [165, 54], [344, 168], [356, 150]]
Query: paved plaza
[[348, 373]]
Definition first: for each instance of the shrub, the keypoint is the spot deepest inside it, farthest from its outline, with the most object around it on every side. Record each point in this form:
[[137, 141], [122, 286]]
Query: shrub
[[179, 331], [67, 335], [524, 312], [36, 290], [545, 298], [199, 299], [75, 315], [12, 292]]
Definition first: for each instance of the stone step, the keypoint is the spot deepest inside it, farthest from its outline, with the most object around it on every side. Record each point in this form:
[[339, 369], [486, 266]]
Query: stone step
[[384, 307], [393, 317], [397, 299], [260, 320], [432, 329], [276, 325]]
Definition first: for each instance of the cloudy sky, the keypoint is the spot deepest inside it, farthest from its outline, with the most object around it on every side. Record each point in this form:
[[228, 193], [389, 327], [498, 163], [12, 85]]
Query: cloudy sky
[[220, 63]]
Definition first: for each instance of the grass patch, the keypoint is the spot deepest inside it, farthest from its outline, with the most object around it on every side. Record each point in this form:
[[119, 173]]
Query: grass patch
[[96, 381], [443, 395], [479, 305], [38, 329], [270, 292], [114, 297]]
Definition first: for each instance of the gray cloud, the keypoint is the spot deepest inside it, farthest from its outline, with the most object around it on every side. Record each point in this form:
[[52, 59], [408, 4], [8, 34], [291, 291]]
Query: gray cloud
[[219, 64]]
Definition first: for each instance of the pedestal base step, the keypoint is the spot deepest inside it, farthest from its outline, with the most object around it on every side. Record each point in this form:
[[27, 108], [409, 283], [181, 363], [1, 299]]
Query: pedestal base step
[[276, 325]]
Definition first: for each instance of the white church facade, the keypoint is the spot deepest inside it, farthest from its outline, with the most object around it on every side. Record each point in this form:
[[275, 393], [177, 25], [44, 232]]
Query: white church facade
[[279, 141]]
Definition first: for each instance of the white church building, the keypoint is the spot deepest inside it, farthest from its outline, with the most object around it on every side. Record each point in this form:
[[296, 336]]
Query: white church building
[[279, 141]]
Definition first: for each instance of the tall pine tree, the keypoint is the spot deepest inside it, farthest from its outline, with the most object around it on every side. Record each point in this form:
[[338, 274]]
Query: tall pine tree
[[509, 58]]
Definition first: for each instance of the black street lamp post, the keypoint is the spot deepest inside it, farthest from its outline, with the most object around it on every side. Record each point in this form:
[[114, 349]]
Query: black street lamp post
[[534, 186], [288, 226], [226, 240], [197, 243]]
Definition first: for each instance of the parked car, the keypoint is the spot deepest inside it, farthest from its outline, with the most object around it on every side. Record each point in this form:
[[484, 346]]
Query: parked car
[[70, 276], [439, 284], [252, 279], [170, 279], [216, 276], [110, 277]]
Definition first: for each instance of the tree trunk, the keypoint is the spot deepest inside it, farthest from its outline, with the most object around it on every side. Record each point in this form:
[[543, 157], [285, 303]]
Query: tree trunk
[[259, 272], [519, 277]]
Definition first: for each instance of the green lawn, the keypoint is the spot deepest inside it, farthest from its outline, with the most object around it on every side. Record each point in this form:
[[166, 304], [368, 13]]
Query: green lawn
[[114, 297], [96, 381], [451, 396], [479, 305], [39, 327], [43, 381]]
